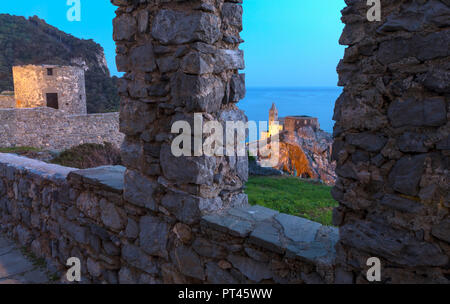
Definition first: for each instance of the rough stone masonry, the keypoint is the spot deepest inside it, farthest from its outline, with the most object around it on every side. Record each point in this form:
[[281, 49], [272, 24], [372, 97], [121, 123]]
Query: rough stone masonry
[[186, 220], [180, 58], [392, 142], [164, 219]]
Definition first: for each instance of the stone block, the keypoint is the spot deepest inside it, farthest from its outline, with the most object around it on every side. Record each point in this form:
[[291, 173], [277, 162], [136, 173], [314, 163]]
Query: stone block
[[153, 236]]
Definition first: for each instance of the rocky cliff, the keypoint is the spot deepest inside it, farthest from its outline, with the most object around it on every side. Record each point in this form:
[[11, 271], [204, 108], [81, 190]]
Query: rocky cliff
[[307, 153], [33, 41]]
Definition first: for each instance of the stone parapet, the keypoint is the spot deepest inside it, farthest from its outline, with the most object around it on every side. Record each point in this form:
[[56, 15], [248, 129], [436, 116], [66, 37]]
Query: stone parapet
[[63, 212]]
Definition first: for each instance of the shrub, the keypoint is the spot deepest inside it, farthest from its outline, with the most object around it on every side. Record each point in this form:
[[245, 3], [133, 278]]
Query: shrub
[[89, 156]]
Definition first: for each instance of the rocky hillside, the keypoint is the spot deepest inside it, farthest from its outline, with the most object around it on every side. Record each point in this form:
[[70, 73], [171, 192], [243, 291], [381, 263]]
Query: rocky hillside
[[33, 41], [307, 153]]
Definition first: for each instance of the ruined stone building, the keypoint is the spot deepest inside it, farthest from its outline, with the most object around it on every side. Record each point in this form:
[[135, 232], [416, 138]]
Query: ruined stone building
[[48, 110], [58, 87]]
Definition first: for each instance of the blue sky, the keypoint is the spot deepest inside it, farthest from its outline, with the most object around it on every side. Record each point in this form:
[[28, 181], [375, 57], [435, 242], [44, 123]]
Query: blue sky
[[288, 43]]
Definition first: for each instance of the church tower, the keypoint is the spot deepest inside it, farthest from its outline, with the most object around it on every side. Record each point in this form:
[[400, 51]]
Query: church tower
[[273, 114]]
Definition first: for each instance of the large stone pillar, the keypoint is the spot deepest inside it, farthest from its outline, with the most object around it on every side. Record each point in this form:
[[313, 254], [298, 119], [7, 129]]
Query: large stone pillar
[[180, 58], [392, 143]]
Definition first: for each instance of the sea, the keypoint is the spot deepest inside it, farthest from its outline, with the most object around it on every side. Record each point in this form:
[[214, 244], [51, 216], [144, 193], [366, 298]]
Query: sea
[[316, 102]]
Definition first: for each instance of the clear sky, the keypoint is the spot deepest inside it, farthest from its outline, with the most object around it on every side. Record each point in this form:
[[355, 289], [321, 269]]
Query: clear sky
[[288, 43]]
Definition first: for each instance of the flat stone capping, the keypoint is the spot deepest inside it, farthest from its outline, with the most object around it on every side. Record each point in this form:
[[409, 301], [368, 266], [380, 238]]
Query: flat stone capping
[[50, 171], [289, 235], [110, 177]]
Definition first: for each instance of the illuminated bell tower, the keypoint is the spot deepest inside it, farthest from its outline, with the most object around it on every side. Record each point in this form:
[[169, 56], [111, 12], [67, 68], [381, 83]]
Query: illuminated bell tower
[[273, 114], [274, 125]]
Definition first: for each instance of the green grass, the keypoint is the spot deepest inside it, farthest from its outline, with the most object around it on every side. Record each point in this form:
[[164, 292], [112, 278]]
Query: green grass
[[293, 196], [19, 150]]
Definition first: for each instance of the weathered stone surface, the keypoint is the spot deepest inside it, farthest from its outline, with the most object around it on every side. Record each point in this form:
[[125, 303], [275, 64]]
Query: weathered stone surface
[[110, 177], [88, 204], [257, 255], [437, 80], [412, 112], [198, 63], [267, 236], [188, 262], [110, 216], [255, 271], [401, 204], [183, 232], [395, 78], [124, 27], [229, 224], [132, 229], [406, 174], [139, 190], [135, 117], [142, 58], [232, 15], [126, 276], [173, 27], [94, 268], [229, 59], [205, 248], [367, 141], [298, 229], [184, 207], [137, 258], [196, 170], [153, 236], [216, 275], [412, 142], [197, 93], [237, 88], [426, 47], [394, 245], [442, 230]]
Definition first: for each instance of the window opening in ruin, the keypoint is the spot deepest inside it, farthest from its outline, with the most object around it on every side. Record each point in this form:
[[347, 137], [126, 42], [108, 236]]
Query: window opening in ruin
[[50, 72], [52, 100]]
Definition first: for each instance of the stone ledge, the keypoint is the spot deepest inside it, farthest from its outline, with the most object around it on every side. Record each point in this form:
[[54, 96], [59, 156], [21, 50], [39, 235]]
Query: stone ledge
[[109, 177], [289, 235], [49, 171]]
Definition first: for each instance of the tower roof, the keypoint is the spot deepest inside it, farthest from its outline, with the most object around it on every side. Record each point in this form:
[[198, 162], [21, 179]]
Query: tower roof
[[274, 107]]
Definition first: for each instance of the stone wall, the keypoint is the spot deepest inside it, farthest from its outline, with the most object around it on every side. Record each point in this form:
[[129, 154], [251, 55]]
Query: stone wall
[[119, 237], [32, 83], [295, 123], [180, 58], [7, 101], [48, 128], [392, 142]]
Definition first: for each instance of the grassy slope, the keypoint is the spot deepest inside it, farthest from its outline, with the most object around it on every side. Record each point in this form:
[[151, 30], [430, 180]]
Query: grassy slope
[[292, 196]]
